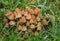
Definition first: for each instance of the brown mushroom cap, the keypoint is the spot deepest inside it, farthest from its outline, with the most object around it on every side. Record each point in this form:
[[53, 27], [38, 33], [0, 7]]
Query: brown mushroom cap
[[8, 14], [37, 11], [24, 28], [31, 11], [25, 13], [39, 15], [22, 19], [31, 21], [12, 23], [20, 28], [18, 13], [22, 12], [27, 9], [37, 19], [11, 17], [32, 26], [18, 10], [39, 26], [29, 30], [44, 22], [27, 23], [33, 17], [28, 17], [36, 33]]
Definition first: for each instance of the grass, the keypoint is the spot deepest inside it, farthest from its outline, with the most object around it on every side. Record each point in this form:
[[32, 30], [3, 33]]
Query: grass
[[47, 7]]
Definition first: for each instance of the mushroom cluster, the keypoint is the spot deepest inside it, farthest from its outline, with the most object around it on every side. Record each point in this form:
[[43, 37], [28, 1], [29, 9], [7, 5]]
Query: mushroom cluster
[[28, 20]]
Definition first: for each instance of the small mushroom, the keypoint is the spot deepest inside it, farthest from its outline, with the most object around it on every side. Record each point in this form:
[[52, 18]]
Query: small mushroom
[[27, 33], [20, 28], [24, 28], [37, 11], [31, 21], [39, 15], [31, 11], [44, 22], [25, 13], [27, 23], [18, 10], [33, 17], [27, 9], [32, 26], [17, 15], [29, 30], [22, 19], [12, 23], [22, 12], [36, 33], [10, 15], [35, 22], [38, 19], [28, 17], [39, 26]]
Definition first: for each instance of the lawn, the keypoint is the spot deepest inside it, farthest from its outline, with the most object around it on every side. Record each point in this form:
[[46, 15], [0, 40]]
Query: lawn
[[52, 33]]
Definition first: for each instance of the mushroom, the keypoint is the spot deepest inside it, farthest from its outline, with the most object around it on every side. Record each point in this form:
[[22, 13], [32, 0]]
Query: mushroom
[[24, 28], [29, 30], [37, 10], [20, 28], [39, 26], [36, 33], [27, 9], [39, 15], [32, 26], [18, 13], [33, 17], [38, 19], [28, 17], [22, 19], [31, 11], [18, 10], [44, 22], [27, 23], [12, 23], [25, 13], [10, 15], [22, 12], [31, 21]]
